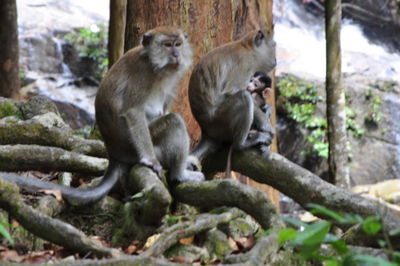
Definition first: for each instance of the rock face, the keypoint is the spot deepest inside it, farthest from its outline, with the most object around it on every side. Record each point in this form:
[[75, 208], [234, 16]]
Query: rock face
[[373, 157], [376, 156]]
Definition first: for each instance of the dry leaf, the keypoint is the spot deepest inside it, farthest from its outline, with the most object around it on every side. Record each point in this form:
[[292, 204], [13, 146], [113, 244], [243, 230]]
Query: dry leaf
[[245, 243], [131, 249], [233, 244], [187, 240], [150, 241], [55, 192]]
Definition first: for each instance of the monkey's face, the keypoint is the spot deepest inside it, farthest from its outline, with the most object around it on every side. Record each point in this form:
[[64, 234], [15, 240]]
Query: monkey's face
[[265, 47], [255, 84], [170, 51]]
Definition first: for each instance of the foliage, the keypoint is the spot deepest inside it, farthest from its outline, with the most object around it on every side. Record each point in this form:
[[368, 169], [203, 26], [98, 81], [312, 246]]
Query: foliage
[[374, 115], [309, 239], [299, 101], [4, 232], [92, 42]]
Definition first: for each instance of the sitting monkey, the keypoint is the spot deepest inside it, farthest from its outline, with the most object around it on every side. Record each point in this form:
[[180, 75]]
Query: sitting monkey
[[218, 97], [131, 107]]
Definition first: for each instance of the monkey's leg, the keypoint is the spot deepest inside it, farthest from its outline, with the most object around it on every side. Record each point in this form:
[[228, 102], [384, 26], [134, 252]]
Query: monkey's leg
[[233, 119], [262, 127], [171, 145]]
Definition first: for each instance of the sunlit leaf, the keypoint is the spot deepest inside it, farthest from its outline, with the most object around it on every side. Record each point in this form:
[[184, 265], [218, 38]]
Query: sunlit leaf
[[371, 225], [286, 235], [313, 234], [4, 232]]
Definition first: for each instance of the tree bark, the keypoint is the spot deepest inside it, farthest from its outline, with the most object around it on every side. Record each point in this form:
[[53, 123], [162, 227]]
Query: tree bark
[[9, 55], [335, 98], [116, 30]]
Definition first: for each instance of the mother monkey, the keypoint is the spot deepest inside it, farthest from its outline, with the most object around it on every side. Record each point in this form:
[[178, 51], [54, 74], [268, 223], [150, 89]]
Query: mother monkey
[[218, 97]]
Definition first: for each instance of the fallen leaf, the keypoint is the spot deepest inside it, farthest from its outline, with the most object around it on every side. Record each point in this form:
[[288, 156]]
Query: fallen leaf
[[150, 241], [9, 255], [187, 240], [131, 249], [55, 192], [245, 243], [232, 244]]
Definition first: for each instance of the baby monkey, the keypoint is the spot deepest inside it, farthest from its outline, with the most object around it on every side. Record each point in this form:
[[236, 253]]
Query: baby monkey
[[259, 86]]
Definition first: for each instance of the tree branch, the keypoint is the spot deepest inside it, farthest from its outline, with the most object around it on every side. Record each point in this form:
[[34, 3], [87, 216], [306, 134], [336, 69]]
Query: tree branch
[[231, 193], [35, 132], [298, 183], [34, 157]]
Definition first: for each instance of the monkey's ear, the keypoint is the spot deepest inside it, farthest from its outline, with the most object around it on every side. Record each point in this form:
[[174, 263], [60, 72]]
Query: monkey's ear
[[147, 38], [259, 38]]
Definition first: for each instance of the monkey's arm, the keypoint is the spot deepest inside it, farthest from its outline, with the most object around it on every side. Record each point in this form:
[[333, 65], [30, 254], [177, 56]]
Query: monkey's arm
[[140, 138]]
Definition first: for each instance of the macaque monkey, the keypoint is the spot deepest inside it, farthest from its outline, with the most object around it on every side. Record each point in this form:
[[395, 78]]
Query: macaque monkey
[[218, 97], [259, 84], [131, 115]]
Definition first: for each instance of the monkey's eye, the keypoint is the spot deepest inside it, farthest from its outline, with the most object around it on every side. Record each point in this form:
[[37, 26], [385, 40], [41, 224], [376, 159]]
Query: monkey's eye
[[178, 44], [168, 44]]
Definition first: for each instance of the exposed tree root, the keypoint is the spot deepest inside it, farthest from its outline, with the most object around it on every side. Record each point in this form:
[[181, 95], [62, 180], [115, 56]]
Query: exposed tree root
[[41, 158], [258, 255], [35, 132], [155, 198], [299, 184], [228, 192], [47, 228], [202, 223]]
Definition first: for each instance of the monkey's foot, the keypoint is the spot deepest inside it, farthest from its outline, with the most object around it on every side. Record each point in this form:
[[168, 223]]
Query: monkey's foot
[[193, 163], [153, 164], [191, 176]]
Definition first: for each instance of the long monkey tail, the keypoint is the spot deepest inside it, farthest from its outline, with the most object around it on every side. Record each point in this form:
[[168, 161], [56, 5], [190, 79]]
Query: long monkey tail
[[229, 163], [74, 196]]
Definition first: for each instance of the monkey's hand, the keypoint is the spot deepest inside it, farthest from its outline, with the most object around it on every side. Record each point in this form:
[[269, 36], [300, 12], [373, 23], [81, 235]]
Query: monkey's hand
[[153, 164]]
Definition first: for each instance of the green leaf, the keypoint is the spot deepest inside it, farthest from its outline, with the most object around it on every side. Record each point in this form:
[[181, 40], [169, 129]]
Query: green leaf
[[319, 209], [294, 222], [332, 262], [286, 235], [371, 225], [137, 195], [313, 234], [4, 232], [340, 246]]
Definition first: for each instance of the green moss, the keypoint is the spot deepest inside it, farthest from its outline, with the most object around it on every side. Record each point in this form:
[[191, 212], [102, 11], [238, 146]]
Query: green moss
[[7, 108], [299, 99]]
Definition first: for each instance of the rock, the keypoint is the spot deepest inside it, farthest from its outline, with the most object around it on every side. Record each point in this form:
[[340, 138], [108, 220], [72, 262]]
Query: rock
[[240, 227], [376, 155], [217, 244], [40, 53], [80, 66], [190, 253], [75, 116], [38, 105]]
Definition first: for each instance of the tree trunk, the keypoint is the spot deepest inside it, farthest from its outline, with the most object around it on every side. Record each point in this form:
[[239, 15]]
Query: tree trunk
[[9, 69], [116, 30], [335, 100], [209, 24]]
